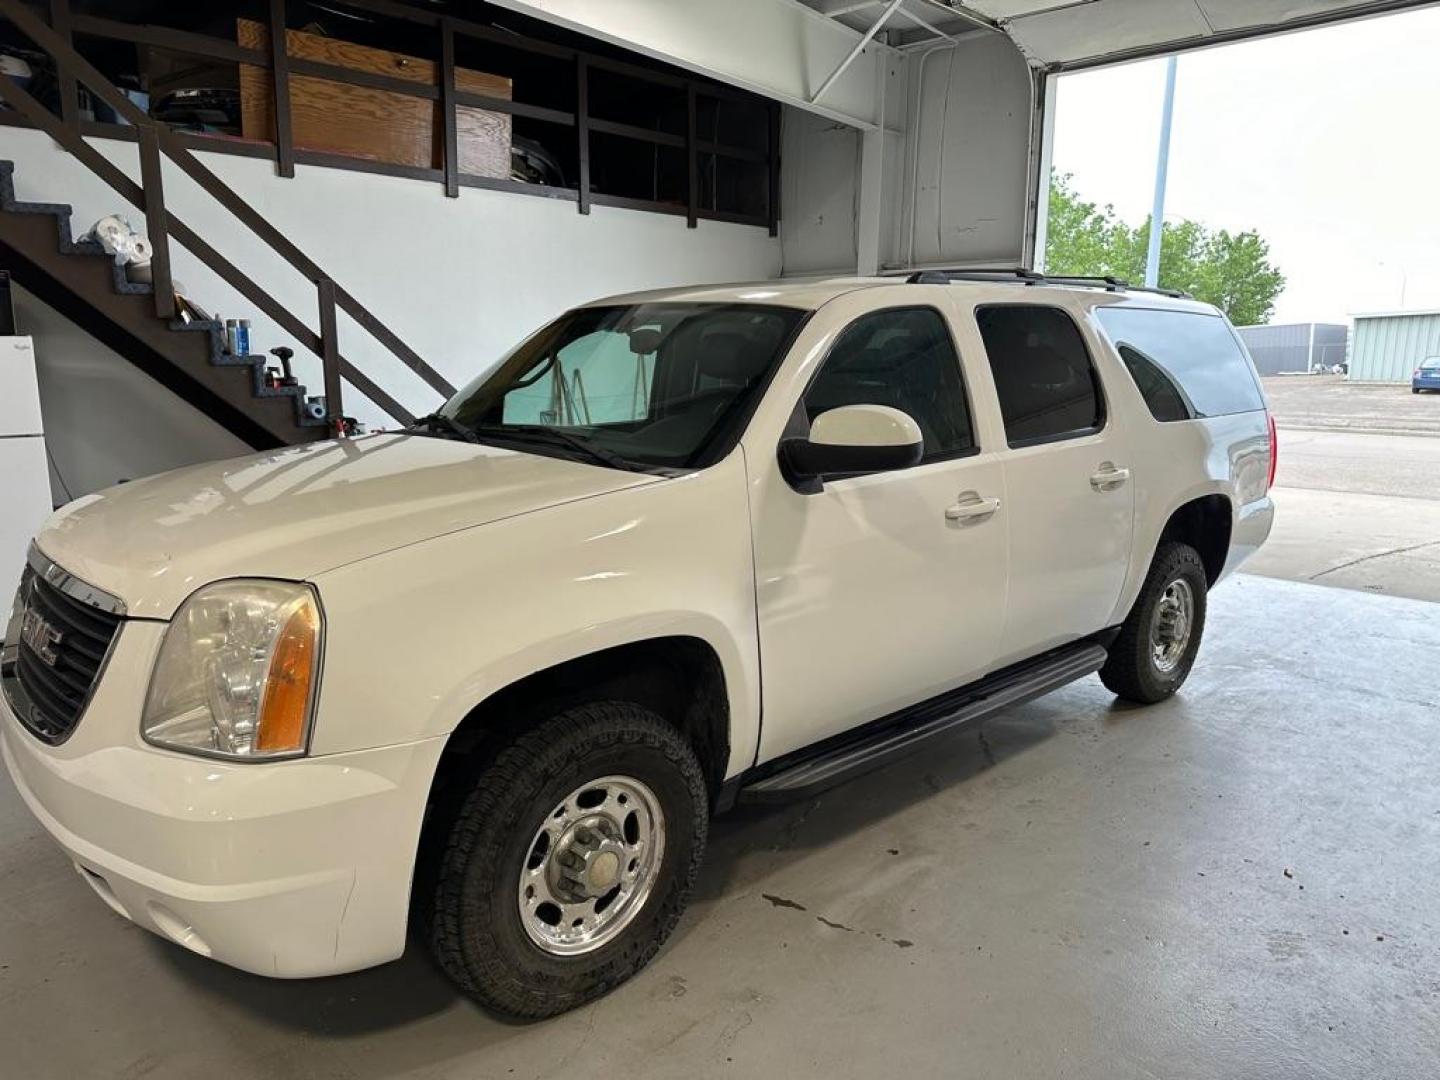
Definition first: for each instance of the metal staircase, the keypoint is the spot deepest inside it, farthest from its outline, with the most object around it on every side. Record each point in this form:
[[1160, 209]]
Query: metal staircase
[[138, 321], [79, 279]]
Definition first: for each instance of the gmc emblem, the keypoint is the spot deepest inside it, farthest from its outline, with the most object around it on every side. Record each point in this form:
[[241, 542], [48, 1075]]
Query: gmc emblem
[[40, 636]]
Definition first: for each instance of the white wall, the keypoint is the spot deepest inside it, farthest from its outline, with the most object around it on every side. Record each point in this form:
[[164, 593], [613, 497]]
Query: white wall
[[107, 420], [967, 172], [460, 280], [819, 193], [956, 166]]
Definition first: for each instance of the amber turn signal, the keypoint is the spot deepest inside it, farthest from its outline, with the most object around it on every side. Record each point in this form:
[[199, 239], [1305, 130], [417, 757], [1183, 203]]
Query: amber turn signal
[[290, 682]]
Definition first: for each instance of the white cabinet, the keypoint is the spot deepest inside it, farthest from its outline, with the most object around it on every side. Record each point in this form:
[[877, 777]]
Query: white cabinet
[[19, 391], [24, 474], [24, 505]]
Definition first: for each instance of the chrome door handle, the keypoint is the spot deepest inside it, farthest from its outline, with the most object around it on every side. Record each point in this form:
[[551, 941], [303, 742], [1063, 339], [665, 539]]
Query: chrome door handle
[[971, 508], [1109, 478]]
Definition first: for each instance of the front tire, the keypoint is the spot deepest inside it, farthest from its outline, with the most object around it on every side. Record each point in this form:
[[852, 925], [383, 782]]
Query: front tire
[[1159, 640], [570, 861]]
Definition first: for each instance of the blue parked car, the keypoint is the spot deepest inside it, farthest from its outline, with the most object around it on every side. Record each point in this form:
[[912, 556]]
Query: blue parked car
[[1427, 376]]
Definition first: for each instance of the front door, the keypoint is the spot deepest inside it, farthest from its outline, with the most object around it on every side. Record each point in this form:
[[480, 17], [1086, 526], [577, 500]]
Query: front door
[[1068, 475], [880, 591]]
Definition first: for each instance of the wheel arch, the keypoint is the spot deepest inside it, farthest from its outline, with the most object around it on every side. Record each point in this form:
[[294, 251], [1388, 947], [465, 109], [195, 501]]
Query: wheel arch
[[1202, 516], [678, 676], [1206, 523]]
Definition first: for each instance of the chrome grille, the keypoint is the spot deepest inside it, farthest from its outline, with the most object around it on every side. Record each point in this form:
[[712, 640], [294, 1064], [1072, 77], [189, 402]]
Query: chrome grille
[[58, 640]]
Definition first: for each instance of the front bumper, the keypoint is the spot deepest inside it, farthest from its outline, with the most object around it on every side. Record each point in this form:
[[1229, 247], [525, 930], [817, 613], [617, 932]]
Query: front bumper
[[290, 868]]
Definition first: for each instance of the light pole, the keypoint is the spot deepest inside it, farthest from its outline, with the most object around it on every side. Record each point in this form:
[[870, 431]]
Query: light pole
[[1404, 281], [1162, 177]]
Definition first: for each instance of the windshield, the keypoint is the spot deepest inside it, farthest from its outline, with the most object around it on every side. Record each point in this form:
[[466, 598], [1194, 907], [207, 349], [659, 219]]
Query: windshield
[[649, 385], [1433, 364]]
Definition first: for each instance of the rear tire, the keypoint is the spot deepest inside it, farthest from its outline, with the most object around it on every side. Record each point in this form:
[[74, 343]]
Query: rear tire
[[1159, 640], [550, 830]]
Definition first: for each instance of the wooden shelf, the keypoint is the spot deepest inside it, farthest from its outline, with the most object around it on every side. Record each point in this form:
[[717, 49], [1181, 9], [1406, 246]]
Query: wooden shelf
[[394, 126]]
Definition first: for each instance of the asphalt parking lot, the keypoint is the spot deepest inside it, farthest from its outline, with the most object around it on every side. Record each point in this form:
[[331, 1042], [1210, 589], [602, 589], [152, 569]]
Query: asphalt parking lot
[[1358, 488], [1333, 403]]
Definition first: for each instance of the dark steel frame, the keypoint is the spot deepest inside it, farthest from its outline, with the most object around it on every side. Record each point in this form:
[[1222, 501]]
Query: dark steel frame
[[155, 139], [448, 28]]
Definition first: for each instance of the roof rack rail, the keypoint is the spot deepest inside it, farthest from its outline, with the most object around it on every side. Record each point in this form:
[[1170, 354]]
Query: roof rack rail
[[1019, 275]]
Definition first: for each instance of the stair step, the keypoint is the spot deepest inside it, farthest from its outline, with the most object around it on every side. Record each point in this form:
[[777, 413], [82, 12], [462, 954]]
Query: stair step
[[67, 244]]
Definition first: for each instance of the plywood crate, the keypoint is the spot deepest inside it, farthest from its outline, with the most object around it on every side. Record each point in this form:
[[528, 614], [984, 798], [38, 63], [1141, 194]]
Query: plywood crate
[[377, 125]]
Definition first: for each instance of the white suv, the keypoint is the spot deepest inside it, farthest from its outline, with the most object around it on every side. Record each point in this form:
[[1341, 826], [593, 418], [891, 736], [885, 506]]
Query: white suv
[[677, 550]]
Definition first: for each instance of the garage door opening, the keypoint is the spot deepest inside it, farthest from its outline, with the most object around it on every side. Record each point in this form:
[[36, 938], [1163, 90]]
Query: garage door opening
[[1299, 195]]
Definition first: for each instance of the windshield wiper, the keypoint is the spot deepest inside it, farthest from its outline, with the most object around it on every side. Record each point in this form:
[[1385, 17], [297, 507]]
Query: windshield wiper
[[535, 433], [440, 423]]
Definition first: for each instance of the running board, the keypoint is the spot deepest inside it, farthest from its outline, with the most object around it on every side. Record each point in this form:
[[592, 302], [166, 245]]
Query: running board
[[909, 731]]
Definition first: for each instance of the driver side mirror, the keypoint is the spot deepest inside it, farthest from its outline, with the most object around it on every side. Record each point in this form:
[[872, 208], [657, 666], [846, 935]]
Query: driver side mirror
[[853, 440]]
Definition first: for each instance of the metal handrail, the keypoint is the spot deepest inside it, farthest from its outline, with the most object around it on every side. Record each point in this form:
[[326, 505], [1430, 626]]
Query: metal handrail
[[155, 139]]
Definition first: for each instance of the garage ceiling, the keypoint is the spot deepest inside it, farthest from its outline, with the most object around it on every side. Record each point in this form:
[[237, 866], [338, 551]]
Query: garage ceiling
[[1061, 34], [821, 55]]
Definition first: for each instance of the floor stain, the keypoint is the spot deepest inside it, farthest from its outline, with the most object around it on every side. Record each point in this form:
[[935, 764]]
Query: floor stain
[[678, 984], [781, 902]]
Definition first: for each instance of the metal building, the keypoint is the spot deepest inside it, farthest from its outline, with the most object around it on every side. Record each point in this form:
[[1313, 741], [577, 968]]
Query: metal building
[[1388, 345], [1295, 346]]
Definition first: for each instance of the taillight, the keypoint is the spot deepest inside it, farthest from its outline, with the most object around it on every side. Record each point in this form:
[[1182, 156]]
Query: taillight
[[1274, 450]]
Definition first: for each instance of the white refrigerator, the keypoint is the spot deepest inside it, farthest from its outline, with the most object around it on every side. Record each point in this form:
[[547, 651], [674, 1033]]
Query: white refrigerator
[[24, 474]]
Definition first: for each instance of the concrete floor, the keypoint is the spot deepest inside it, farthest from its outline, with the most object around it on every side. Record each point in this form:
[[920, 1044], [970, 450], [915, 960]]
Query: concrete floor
[[1238, 883]]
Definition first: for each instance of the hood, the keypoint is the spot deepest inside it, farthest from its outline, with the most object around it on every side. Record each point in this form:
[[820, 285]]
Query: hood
[[300, 511]]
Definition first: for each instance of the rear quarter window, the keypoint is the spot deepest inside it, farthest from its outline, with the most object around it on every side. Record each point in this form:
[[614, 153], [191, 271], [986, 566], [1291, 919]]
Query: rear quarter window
[[1187, 365]]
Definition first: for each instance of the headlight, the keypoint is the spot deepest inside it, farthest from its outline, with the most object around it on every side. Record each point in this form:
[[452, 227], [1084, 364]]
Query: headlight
[[238, 671]]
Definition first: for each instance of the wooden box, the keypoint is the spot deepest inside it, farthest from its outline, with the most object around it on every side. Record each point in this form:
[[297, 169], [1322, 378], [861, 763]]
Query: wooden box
[[377, 125]]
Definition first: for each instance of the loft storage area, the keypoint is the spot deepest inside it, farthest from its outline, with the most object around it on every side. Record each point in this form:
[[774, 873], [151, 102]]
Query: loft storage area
[[461, 94], [367, 122]]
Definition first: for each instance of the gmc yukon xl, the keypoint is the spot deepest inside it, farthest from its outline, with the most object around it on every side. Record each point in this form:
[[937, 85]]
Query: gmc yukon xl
[[495, 672]]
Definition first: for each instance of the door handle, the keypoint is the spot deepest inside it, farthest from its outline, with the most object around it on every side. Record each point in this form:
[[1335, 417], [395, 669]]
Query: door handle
[[1109, 478], [971, 507]]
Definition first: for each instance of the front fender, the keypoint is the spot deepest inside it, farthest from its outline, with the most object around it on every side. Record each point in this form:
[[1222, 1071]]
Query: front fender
[[416, 638]]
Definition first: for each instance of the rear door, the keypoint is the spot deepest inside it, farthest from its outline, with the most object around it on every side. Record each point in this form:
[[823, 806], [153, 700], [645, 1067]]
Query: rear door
[[1070, 497]]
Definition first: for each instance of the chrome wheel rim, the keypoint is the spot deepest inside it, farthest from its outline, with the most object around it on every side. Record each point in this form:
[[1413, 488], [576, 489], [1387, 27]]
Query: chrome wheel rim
[[1172, 626], [591, 865]]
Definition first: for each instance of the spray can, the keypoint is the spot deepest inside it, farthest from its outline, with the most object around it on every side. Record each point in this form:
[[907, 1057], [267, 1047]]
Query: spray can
[[242, 338], [231, 329]]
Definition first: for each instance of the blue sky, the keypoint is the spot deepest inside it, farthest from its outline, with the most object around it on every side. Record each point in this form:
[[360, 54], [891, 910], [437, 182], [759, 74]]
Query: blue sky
[[1327, 142]]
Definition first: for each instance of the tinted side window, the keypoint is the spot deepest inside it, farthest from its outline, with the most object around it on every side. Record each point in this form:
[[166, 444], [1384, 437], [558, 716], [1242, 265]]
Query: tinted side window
[[1187, 365], [903, 358], [1047, 385]]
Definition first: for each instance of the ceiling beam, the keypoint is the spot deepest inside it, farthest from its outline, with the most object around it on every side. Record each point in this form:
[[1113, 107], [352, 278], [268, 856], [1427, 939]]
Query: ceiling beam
[[859, 47], [778, 48]]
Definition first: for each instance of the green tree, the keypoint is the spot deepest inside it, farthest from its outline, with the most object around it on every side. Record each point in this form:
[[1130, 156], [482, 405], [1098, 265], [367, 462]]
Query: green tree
[[1230, 270]]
